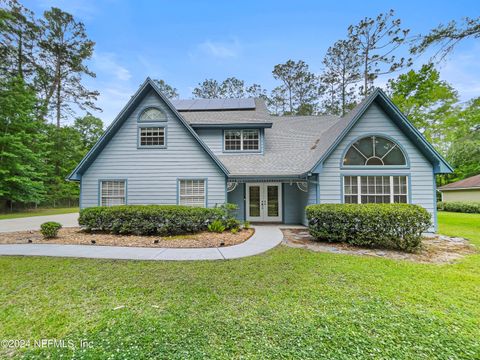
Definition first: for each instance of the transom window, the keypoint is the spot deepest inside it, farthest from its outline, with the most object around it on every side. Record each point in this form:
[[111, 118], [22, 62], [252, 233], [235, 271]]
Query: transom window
[[242, 140], [152, 136], [375, 189], [152, 114], [112, 192], [374, 151], [192, 192]]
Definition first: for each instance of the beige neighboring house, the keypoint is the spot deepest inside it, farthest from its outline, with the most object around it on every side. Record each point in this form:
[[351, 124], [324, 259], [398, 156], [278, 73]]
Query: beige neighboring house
[[464, 190]]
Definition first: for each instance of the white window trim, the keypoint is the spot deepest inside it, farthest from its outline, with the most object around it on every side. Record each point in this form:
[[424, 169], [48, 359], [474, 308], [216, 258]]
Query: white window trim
[[179, 195], [392, 191], [100, 193], [241, 140]]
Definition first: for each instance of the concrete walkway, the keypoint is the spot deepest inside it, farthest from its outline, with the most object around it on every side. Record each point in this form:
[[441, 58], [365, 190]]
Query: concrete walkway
[[34, 222], [265, 238]]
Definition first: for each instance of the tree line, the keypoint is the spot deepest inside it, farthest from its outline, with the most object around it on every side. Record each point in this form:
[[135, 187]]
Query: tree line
[[350, 68], [43, 62], [42, 65]]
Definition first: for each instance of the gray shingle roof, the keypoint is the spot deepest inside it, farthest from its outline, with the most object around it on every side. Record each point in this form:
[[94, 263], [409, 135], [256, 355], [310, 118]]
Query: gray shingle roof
[[292, 147], [295, 144]]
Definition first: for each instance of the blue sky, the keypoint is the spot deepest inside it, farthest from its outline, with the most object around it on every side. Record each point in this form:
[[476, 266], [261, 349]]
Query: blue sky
[[184, 42]]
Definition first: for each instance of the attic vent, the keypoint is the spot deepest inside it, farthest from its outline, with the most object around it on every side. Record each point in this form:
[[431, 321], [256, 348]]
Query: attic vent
[[314, 146]]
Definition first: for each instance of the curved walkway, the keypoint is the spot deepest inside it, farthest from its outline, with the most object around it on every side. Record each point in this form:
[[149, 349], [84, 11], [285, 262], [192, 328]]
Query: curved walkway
[[265, 238]]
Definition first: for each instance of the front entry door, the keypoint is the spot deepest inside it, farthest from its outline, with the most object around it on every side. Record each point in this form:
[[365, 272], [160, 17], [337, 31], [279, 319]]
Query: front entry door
[[264, 202]]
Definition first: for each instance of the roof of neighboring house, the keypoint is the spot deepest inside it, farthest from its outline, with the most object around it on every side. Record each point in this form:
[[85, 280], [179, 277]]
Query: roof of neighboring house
[[472, 182]]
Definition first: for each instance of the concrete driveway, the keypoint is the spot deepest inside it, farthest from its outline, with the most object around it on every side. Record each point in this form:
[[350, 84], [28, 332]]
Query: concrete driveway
[[34, 222]]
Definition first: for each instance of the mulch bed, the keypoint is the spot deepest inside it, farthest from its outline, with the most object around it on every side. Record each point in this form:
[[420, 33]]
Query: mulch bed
[[438, 249], [75, 236]]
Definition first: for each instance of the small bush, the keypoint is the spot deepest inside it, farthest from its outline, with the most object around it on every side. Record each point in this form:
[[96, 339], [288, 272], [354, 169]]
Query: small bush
[[216, 226], [159, 220], [459, 206], [395, 226], [246, 225], [50, 229], [234, 231], [229, 212]]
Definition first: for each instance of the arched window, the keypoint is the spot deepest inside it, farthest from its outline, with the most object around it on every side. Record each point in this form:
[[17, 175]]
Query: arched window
[[152, 114], [374, 151]]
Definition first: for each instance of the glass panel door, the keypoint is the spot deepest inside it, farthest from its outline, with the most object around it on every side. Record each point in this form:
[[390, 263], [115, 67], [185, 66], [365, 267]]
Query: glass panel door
[[254, 201], [264, 202], [272, 200]]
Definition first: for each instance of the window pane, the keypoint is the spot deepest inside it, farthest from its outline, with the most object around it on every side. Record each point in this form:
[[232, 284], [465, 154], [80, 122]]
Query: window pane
[[152, 136], [251, 140], [374, 151], [382, 146], [365, 146], [233, 140], [112, 193], [350, 189], [152, 114], [254, 200], [395, 157], [192, 192], [272, 200], [350, 199], [353, 157]]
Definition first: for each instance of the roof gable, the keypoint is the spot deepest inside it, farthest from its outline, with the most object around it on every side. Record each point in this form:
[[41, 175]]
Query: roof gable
[[338, 132], [122, 117]]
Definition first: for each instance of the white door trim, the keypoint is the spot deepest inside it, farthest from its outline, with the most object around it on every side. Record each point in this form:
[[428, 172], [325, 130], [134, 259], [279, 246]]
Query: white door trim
[[263, 198]]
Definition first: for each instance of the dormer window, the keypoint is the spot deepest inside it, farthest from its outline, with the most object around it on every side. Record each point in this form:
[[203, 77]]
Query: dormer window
[[242, 140]]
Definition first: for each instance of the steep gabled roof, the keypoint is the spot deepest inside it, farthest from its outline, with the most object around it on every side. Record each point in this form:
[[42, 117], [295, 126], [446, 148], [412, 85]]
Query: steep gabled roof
[[122, 117], [336, 133], [473, 182], [297, 145]]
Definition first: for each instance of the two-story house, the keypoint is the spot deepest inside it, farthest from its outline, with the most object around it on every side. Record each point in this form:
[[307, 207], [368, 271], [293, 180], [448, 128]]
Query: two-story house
[[205, 152]]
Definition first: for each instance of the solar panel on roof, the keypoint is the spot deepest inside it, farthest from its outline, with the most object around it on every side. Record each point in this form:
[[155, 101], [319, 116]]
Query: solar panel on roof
[[213, 104]]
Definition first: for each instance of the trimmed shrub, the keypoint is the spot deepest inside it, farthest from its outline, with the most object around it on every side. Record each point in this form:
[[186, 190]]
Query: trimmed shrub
[[216, 226], [149, 219], [246, 225], [50, 229], [394, 226], [229, 212], [459, 206]]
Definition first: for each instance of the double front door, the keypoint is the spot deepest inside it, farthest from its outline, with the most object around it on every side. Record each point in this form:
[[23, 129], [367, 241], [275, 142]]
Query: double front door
[[264, 202]]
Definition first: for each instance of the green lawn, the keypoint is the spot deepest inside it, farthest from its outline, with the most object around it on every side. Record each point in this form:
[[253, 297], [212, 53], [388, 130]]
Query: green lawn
[[38, 212], [287, 303]]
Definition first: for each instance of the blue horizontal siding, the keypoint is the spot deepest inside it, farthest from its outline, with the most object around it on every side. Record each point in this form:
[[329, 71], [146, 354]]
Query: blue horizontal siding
[[152, 173], [376, 121]]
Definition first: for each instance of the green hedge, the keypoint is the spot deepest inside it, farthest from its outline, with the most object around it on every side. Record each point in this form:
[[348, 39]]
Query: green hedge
[[150, 219], [50, 229], [394, 226], [459, 206]]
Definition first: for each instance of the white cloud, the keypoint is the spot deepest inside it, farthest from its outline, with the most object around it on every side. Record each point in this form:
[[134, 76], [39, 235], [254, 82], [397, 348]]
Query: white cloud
[[462, 70], [107, 63], [221, 50]]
